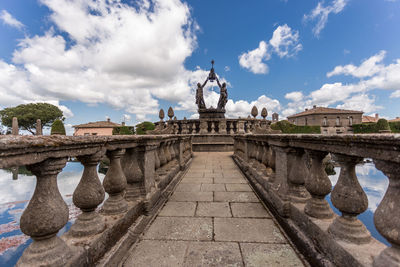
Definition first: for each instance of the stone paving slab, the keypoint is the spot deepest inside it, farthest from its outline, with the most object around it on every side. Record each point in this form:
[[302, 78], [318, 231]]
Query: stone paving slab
[[157, 253], [213, 187], [197, 180], [180, 209], [269, 255], [213, 254], [180, 228], [238, 188], [235, 197], [249, 210], [247, 230], [230, 181], [192, 196], [187, 187], [213, 209]]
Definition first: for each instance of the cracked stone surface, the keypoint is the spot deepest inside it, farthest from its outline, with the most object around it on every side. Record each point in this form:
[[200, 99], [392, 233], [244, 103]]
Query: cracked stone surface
[[213, 219]]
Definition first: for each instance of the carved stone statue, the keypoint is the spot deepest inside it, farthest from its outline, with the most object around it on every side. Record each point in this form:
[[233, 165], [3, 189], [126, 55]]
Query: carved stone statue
[[199, 95], [223, 96]]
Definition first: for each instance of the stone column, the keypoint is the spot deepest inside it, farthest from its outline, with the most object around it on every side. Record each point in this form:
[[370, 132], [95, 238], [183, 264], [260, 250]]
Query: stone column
[[318, 185], [133, 173], [114, 184], [15, 129], [350, 199], [87, 196], [296, 176], [44, 216], [39, 127], [387, 216]]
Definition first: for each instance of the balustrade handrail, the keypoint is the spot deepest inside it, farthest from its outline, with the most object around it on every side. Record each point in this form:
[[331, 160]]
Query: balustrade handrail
[[288, 172]]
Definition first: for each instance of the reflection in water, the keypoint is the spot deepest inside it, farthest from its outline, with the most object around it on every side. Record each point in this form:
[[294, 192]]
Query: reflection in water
[[374, 183], [14, 197]]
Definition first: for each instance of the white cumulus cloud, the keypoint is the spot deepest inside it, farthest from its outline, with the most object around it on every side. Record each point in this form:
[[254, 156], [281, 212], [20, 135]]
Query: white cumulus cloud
[[104, 52], [284, 43], [8, 19], [321, 14]]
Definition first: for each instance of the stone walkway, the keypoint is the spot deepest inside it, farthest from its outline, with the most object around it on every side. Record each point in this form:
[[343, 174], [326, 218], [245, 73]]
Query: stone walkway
[[213, 219]]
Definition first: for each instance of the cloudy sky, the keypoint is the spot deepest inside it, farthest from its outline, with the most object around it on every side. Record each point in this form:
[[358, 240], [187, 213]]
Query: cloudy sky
[[127, 59]]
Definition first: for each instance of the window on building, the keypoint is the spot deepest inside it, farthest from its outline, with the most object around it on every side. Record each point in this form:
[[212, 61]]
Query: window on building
[[306, 122], [325, 121], [337, 121], [86, 134], [94, 133], [351, 121]]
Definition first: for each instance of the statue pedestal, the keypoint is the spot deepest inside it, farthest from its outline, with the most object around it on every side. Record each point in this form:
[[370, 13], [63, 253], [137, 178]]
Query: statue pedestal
[[211, 113]]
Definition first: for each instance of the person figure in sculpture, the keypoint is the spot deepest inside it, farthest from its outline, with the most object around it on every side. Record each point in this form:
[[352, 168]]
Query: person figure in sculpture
[[199, 95], [223, 96]]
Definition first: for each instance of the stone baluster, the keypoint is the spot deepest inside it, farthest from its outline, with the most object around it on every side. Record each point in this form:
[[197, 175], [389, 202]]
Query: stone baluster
[[185, 127], [15, 128], [318, 185], [387, 216], [114, 184], [166, 152], [157, 162], [87, 196], [203, 127], [349, 197], [260, 153], [194, 128], [133, 173], [296, 176], [240, 127], [161, 154], [172, 150], [213, 127], [44, 216], [255, 154]]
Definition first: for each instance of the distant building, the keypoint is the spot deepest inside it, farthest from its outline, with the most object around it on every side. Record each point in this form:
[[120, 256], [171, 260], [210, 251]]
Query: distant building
[[368, 119], [95, 128], [331, 120], [395, 120]]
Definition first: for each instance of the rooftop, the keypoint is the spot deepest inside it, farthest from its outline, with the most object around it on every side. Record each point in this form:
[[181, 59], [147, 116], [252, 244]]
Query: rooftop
[[98, 124], [324, 110]]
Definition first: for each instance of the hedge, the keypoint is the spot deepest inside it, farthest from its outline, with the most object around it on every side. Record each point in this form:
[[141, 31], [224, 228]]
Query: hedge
[[123, 130], [141, 128], [289, 128], [57, 128], [382, 124]]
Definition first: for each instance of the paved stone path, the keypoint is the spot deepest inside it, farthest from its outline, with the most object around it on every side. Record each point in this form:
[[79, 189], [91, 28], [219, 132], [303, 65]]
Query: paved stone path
[[213, 219]]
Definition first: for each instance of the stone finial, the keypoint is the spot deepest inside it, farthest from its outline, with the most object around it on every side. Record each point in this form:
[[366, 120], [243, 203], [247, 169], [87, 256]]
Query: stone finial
[[264, 113], [170, 113], [161, 114], [39, 127], [254, 111], [15, 129]]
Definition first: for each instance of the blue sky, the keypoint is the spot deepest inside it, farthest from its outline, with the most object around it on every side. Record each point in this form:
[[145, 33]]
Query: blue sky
[[127, 59]]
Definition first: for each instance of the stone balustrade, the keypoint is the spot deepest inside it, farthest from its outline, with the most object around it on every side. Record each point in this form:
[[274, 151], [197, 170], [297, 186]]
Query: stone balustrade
[[288, 173], [143, 171]]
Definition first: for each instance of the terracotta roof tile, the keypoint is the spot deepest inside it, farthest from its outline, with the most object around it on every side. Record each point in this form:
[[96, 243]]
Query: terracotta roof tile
[[395, 120], [323, 110], [98, 124], [366, 119]]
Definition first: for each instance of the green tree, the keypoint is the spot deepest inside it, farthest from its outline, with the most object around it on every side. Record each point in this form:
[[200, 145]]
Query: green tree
[[27, 115], [382, 125], [57, 128], [123, 130], [141, 128]]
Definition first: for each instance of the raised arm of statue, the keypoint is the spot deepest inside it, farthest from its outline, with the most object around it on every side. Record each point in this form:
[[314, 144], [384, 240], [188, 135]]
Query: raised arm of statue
[[219, 85], [205, 82]]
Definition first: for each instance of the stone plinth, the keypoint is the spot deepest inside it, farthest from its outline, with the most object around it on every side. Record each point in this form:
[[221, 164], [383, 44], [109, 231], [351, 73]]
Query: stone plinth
[[211, 113]]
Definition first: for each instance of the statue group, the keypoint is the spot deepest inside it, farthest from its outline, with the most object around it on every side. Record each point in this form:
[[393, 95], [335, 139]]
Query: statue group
[[223, 93]]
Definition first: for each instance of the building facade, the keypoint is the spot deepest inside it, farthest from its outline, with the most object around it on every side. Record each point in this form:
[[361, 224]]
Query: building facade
[[95, 128], [331, 120]]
